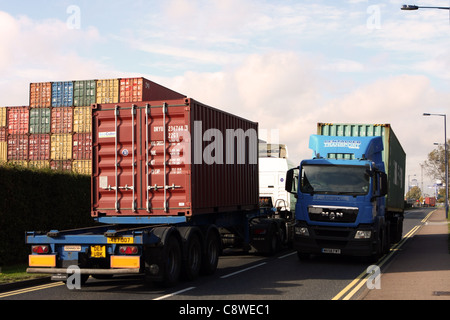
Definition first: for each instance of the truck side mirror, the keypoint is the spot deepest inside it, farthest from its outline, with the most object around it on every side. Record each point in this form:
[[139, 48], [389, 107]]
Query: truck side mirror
[[292, 181], [383, 184]]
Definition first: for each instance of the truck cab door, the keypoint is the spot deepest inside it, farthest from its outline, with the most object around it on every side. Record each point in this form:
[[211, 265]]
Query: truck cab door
[[291, 185]]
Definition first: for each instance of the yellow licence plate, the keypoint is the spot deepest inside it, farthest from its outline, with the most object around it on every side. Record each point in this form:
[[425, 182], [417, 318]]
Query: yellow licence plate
[[98, 251], [121, 240]]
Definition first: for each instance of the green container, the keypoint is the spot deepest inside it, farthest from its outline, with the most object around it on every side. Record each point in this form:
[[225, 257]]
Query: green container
[[84, 93], [393, 155], [40, 120]]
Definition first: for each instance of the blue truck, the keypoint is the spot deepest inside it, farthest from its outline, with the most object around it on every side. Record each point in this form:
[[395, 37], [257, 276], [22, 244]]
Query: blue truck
[[350, 194]]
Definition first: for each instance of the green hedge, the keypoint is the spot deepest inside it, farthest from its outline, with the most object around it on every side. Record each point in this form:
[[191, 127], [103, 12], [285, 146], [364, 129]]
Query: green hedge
[[39, 200]]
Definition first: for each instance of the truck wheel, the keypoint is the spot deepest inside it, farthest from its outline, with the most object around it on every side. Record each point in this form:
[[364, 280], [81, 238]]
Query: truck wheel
[[172, 259], [191, 267], [210, 257], [273, 240]]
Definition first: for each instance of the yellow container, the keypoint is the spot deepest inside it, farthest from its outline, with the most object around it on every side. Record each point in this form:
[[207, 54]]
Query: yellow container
[[2, 116], [20, 163], [3, 151], [61, 148], [82, 120], [39, 164], [82, 166], [108, 91]]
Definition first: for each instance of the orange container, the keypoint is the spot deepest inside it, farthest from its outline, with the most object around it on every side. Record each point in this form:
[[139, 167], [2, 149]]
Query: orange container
[[141, 89], [41, 95]]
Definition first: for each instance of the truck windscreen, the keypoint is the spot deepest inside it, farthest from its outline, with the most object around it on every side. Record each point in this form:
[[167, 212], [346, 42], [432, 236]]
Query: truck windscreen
[[328, 179]]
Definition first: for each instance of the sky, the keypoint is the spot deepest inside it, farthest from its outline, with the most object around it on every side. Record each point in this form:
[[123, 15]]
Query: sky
[[285, 64]]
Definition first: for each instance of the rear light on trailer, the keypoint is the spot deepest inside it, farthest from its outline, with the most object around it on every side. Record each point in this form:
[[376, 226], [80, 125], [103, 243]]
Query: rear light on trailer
[[128, 250], [259, 231], [41, 249]]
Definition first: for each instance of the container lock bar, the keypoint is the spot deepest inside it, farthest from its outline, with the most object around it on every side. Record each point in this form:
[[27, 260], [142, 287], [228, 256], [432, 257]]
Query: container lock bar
[[133, 163], [173, 187]]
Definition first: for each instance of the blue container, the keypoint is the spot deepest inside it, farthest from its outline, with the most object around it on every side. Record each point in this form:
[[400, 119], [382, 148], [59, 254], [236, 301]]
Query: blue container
[[62, 94]]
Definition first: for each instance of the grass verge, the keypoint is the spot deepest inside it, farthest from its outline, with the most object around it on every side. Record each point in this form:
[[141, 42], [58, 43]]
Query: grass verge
[[16, 273]]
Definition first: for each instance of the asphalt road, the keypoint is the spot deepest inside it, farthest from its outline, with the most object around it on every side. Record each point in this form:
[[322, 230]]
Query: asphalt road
[[240, 277]]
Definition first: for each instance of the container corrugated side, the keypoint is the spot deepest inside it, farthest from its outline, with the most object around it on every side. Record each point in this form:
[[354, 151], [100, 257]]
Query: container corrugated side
[[393, 155], [84, 93], [18, 120], [141, 89], [82, 146], [62, 120], [40, 120], [82, 166], [178, 182], [61, 165], [3, 134], [41, 95], [3, 116], [61, 147], [108, 91], [3, 151], [20, 163], [82, 119], [62, 94], [39, 164], [39, 147], [18, 147]]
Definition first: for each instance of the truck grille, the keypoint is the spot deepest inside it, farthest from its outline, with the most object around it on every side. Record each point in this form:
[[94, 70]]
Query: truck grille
[[333, 214]]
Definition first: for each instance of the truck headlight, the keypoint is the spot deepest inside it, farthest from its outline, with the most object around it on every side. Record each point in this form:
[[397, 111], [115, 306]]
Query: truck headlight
[[301, 231], [363, 234]]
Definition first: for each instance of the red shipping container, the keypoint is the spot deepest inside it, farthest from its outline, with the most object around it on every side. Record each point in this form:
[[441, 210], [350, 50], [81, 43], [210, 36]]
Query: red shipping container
[[82, 146], [62, 120], [18, 120], [39, 147], [3, 134], [41, 95], [180, 159], [18, 147], [141, 89]]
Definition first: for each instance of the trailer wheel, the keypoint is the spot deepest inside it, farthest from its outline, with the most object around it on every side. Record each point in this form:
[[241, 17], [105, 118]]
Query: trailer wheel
[[172, 262], [192, 264], [211, 254], [273, 240]]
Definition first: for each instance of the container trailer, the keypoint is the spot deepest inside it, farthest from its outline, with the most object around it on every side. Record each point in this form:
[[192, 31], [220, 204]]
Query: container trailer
[[173, 183], [350, 194]]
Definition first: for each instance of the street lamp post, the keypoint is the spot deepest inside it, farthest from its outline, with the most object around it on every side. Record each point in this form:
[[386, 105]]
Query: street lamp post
[[446, 157], [410, 7]]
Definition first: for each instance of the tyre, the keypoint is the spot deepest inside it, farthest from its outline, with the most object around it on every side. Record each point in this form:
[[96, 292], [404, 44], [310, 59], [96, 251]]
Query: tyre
[[172, 262], [210, 257], [192, 264]]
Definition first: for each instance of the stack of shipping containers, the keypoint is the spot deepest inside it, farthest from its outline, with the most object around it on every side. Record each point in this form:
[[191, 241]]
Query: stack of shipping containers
[[55, 130], [85, 94], [40, 115], [3, 135]]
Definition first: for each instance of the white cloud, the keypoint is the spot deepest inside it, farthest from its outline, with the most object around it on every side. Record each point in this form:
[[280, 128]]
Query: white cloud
[[284, 91], [39, 51]]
